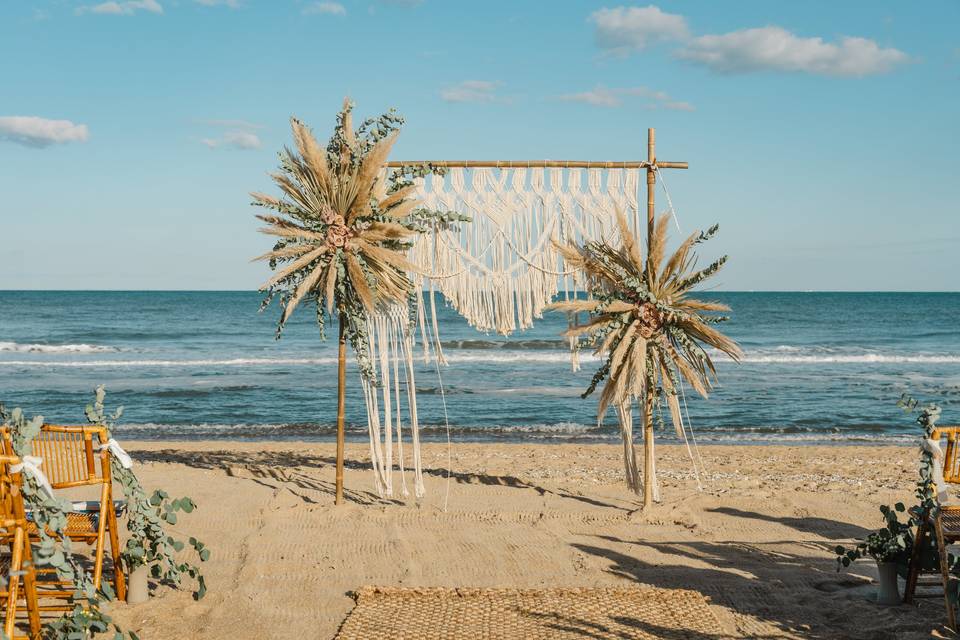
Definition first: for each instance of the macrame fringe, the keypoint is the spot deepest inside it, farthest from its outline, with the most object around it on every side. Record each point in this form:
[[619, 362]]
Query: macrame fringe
[[390, 341]]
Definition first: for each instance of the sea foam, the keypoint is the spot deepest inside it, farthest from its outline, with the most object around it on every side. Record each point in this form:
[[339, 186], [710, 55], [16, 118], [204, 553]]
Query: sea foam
[[16, 347]]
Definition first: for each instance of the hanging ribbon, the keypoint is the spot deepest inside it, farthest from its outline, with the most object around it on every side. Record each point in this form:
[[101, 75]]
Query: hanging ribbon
[[936, 453], [117, 452], [31, 464]]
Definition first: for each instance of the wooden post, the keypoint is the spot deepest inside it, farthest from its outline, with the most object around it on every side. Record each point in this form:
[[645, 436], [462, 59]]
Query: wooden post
[[648, 400], [341, 406]]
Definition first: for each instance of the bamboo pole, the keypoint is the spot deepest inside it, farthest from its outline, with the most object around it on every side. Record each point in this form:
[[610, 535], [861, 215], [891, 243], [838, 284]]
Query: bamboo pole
[[648, 400], [538, 164], [341, 406]]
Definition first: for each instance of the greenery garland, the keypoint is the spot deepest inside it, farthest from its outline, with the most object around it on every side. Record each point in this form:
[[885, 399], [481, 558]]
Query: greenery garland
[[149, 543]]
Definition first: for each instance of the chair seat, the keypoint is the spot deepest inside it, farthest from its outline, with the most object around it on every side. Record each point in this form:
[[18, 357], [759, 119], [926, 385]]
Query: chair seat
[[950, 522], [79, 525]]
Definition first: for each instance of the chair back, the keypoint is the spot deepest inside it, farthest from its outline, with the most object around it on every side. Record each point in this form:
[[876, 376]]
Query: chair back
[[11, 500], [951, 452], [71, 455]]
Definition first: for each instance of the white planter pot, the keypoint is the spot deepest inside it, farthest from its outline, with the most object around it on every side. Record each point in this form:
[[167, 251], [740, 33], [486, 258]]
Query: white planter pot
[[889, 593], [138, 589]]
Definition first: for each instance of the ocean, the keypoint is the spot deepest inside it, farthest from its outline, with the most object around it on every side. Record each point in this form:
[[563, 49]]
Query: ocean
[[819, 368]]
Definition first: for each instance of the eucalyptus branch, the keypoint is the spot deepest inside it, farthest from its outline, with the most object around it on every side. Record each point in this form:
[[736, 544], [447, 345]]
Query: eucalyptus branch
[[149, 544]]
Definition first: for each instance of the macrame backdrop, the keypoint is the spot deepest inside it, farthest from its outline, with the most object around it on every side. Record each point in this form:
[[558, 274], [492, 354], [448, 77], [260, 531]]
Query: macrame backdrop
[[499, 271]]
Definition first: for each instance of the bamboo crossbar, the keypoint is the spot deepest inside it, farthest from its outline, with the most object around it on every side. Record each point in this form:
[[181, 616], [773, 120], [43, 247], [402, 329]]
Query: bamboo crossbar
[[540, 164]]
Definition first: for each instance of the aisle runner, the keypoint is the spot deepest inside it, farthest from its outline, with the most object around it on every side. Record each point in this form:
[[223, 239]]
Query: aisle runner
[[493, 614]]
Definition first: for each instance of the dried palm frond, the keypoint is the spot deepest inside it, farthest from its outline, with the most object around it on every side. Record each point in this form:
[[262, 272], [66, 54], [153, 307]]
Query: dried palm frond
[[342, 238], [642, 318]]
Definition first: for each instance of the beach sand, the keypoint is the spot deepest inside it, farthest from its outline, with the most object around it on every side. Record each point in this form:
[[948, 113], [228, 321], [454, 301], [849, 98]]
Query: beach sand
[[757, 540]]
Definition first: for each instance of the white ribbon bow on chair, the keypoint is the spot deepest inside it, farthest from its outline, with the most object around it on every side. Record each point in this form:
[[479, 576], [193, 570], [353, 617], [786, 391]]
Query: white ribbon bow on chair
[[933, 448], [117, 452], [32, 465]]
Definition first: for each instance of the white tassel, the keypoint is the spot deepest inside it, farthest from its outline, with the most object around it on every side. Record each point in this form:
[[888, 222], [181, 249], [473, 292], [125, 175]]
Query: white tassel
[[391, 344]]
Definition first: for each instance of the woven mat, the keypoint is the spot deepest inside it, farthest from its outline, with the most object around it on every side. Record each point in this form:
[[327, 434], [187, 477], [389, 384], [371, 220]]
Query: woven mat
[[474, 614]]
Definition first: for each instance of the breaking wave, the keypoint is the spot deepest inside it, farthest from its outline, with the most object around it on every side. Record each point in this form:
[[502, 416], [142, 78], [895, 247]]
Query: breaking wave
[[16, 347]]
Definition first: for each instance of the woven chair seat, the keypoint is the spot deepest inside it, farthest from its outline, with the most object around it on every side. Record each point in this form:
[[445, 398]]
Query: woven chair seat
[[950, 521], [79, 525]]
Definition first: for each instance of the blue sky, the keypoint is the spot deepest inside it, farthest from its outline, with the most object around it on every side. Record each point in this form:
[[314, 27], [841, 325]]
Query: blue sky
[[822, 136]]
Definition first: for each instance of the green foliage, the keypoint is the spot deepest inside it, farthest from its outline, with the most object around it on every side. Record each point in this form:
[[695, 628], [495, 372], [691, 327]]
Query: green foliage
[[149, 543], [423, 220], [892, 543]]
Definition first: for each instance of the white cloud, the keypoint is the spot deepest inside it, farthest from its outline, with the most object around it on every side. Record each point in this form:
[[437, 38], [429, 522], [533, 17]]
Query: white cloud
[[125, 8], [601, 96], [678, 106], [233, 4], [232, 124], [598, 97], [626, 29], [471, 91], [32, 131], [235, 139], [775, 48], [327, 8]]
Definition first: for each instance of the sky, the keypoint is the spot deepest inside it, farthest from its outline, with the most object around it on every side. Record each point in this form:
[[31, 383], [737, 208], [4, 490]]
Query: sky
[[822, 136]]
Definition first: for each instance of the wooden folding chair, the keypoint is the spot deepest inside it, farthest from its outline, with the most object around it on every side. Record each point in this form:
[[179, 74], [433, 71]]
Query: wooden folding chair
[[944, 526], [18, 571], [72, 458]]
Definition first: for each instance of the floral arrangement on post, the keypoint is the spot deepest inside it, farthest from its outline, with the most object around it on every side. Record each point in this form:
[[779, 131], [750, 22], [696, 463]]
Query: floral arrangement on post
[[344, 228], [149, 544], [89, 614], [641, 318]]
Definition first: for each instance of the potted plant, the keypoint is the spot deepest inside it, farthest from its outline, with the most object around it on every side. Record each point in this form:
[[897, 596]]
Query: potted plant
[[890, 547]]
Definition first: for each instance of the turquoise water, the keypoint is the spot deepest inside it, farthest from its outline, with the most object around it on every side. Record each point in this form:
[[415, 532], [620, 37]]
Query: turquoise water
[[819, 367]]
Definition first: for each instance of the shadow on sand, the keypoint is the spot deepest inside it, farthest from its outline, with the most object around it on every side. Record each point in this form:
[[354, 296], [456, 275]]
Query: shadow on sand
[[287, 466], [770, 591], [831, 529]]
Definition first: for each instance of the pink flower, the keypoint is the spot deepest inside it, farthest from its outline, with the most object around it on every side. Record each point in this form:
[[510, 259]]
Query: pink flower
[[651, 320], [329, 216], [338, 234]]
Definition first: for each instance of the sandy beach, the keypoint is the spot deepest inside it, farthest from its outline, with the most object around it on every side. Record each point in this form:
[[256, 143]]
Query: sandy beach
[[757, 540]]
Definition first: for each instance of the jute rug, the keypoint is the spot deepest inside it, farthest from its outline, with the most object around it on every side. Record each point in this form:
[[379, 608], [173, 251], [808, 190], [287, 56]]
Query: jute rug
[[488, 614]]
